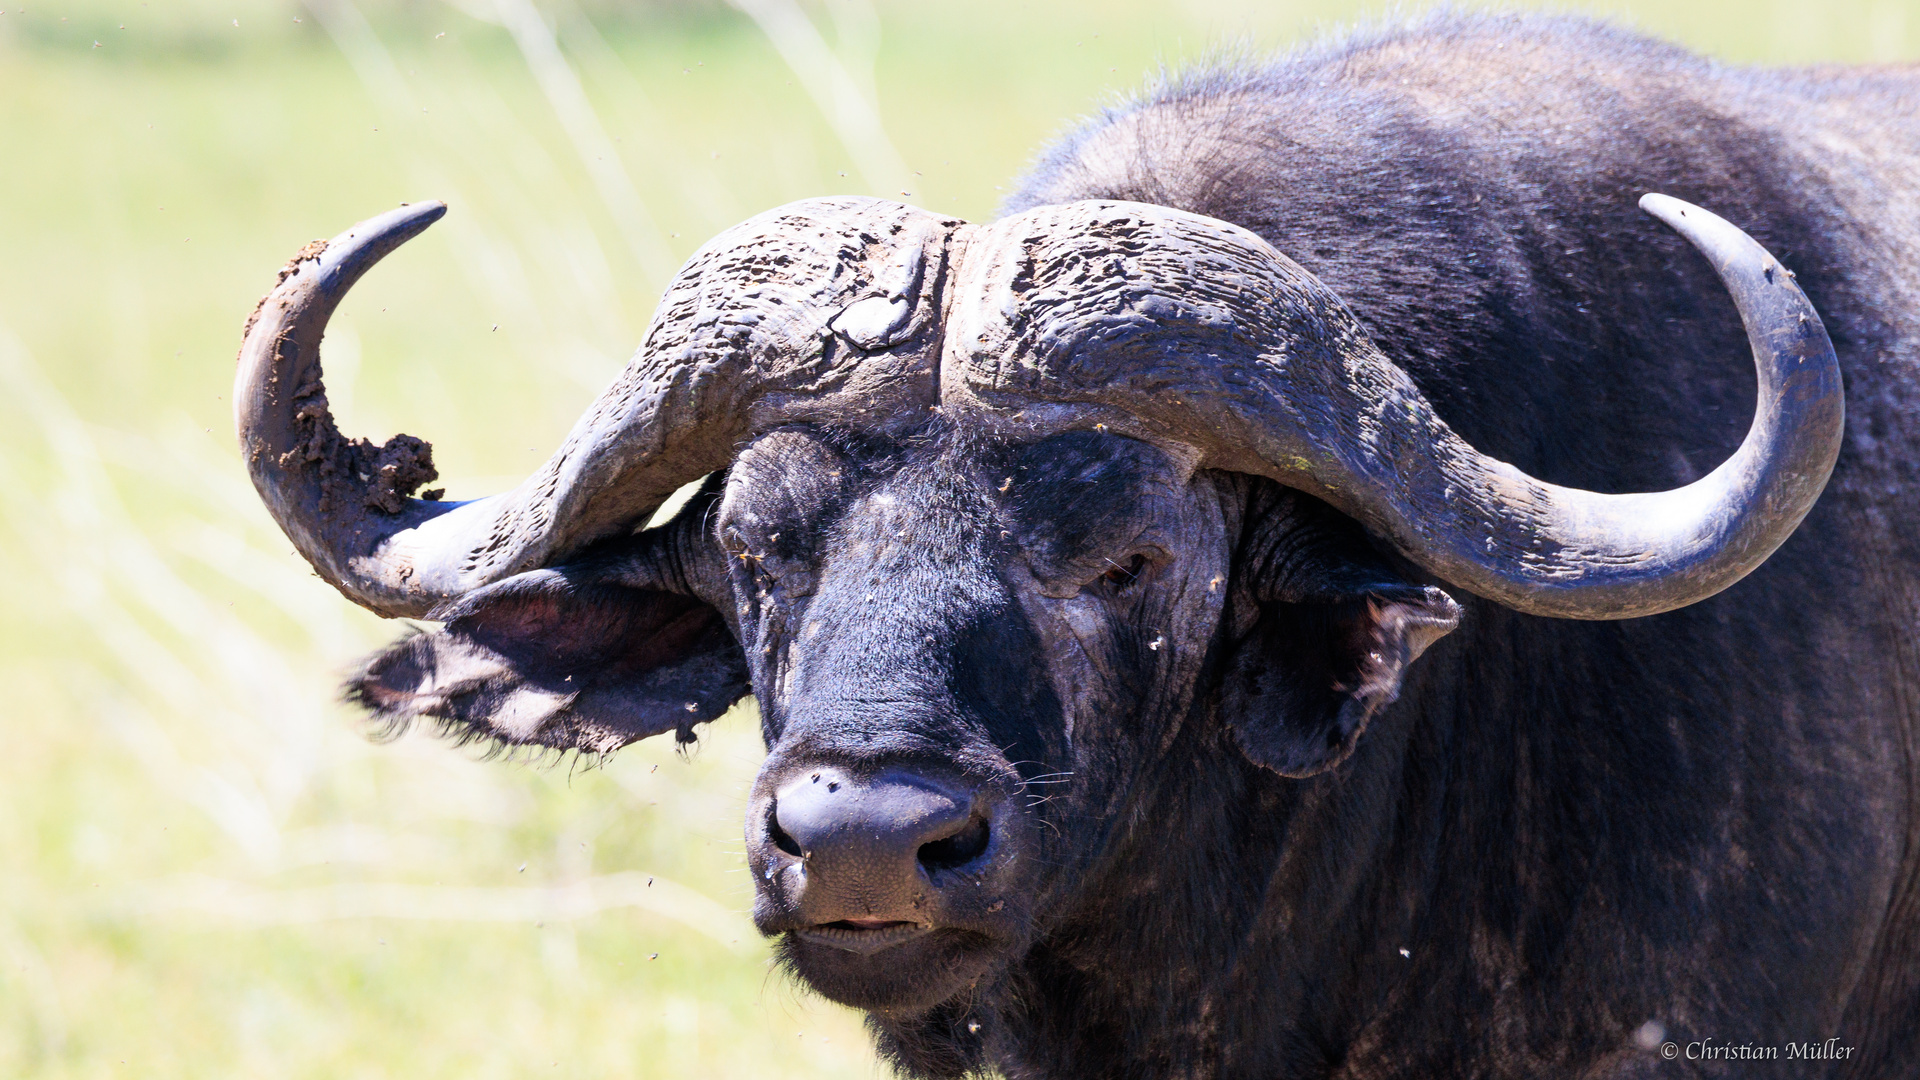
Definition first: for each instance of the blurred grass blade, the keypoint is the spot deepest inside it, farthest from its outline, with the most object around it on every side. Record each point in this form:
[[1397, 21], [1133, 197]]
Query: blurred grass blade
[[597, 153], [853, 115]]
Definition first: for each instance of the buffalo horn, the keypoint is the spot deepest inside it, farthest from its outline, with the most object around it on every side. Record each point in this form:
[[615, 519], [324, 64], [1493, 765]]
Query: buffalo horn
[[1172, 326], [743, 341]]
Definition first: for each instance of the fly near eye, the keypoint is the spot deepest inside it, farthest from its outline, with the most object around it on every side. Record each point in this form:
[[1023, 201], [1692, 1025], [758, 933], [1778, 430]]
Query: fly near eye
[[1126, 574]]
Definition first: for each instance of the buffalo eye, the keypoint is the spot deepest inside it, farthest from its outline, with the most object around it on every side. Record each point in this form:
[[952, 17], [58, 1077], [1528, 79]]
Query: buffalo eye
[[1121, 575]]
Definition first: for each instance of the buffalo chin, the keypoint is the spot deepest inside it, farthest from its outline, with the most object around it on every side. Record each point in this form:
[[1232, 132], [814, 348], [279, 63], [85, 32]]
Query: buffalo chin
[[908, 978]]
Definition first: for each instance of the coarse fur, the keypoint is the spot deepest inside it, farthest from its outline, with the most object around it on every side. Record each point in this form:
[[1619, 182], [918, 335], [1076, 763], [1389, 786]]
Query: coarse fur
[[1241, 825], [1584, 826]]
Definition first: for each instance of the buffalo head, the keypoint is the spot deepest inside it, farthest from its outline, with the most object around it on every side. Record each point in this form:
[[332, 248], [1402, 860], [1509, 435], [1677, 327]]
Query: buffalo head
[[992, 515]]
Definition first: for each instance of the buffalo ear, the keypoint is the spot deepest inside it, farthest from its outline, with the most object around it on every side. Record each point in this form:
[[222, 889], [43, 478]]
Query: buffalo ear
[[568, 658], [1306, 678]]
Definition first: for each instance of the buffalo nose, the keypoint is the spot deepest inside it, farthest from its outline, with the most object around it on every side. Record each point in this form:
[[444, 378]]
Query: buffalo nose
[[871, 847]]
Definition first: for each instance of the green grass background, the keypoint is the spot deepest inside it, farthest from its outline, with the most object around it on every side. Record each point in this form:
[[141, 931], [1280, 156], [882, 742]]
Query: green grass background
[[206, 868]]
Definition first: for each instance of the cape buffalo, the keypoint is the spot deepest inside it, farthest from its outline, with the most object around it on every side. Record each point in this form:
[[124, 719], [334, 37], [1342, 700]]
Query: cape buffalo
[[1208, 622]]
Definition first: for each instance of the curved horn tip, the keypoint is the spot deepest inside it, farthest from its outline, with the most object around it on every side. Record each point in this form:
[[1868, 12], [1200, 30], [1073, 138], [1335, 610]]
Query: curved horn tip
[[1666, 207], [1714, 235], [375, 238], [1681, 215], [280, 407]]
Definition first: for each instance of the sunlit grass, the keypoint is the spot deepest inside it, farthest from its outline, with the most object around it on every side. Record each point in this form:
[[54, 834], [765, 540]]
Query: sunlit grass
[[209, 870]]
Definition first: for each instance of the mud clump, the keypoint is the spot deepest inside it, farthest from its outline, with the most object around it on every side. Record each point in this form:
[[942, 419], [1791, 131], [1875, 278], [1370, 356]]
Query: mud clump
[[399, 469], [313, 249], [379, 477]]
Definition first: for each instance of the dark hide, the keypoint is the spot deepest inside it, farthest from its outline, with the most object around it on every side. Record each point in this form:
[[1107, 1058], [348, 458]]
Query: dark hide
[[1700, 825], [1036, 620], [1237, 830]]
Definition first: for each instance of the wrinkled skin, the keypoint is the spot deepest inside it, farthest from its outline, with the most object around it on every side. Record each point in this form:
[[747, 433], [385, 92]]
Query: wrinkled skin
[[1029, 614], [1000, 650]]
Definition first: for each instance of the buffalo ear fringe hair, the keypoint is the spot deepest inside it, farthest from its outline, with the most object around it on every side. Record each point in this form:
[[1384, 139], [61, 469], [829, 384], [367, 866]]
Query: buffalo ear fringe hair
[[557, 659]]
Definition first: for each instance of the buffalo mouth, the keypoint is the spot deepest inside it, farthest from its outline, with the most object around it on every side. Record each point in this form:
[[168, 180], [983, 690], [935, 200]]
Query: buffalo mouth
[[864, 936], [901, 967]]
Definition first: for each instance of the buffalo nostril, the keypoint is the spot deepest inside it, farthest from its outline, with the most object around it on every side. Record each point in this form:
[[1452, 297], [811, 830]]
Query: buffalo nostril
[[957, 850], [779, 835]]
